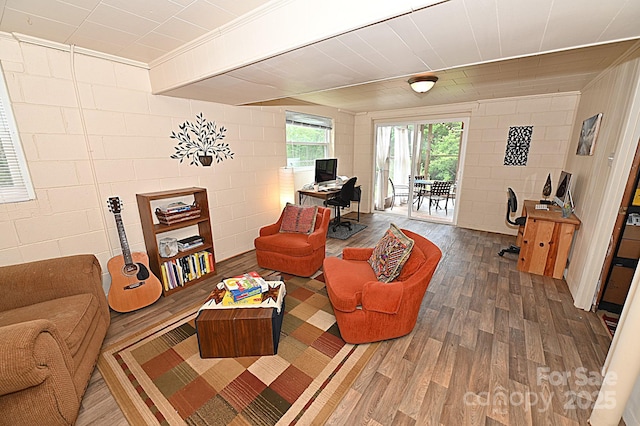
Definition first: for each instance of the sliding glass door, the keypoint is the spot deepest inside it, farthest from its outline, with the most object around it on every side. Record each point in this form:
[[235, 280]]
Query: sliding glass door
[[417, 168], [394, 151]]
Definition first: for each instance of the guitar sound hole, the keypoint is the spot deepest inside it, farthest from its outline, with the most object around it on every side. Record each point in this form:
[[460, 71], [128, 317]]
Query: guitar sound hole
[[131, 269]]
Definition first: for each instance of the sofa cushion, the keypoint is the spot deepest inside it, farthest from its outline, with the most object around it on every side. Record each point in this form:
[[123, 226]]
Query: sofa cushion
[[71, 315], [350, 277], [390, 254], [290, 244], [298, 219], [415, 262]]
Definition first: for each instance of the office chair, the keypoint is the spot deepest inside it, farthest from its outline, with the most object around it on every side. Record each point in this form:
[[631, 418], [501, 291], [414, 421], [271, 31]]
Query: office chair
[[512, 206], [342, 200]]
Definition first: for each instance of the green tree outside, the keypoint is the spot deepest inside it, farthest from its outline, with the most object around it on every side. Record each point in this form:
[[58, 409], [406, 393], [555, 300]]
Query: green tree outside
[[305, 144], [445, 150]]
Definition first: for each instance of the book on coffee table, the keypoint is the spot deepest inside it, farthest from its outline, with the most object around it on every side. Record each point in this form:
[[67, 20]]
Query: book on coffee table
[[221, 298], [245, 285]]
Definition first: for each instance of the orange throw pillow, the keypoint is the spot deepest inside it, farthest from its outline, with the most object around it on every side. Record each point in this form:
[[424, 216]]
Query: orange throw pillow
[[298, 219]]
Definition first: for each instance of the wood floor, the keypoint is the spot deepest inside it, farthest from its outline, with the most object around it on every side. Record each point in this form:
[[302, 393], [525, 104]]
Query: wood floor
[[492, 346]]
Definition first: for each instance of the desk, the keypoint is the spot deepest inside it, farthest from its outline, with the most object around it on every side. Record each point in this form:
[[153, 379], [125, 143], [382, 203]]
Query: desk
[[545, 240], [325, 195]]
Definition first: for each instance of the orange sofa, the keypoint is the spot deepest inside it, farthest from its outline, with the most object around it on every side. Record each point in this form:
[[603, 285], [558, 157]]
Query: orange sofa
[[367, 310], [293, 253]]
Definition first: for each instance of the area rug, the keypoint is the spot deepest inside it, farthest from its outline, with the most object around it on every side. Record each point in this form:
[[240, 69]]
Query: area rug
[[342, 232], [158, 377]]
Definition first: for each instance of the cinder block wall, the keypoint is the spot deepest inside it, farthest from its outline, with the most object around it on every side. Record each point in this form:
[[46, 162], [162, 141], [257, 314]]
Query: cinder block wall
[[112, 139]]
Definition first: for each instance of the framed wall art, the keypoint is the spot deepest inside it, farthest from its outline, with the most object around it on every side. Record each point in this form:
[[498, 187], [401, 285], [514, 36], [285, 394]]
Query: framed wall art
[[518, 143], [589, 134]]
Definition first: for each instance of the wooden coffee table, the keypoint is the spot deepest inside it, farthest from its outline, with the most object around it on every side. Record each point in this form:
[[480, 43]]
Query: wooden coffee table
[[224, 333]]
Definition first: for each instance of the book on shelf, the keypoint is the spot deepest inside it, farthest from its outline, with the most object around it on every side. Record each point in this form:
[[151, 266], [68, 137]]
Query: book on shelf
[[190, 242], [175, 207], [178, 272]]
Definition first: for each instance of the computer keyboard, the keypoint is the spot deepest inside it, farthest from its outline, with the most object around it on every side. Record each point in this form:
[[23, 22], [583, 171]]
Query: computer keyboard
[[542, 207]]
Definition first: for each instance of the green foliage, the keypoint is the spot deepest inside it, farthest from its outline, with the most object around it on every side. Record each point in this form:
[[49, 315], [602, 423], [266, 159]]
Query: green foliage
[[305, 144], [305, 134], [445, 148]]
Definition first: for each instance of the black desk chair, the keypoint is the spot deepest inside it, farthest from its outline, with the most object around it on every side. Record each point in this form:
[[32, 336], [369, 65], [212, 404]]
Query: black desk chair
[[512, 206], [341, 200]]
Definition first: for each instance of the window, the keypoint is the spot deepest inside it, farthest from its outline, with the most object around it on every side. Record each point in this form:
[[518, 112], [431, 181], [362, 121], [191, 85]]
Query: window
[[442, 159], [308, 138], [15, 184]]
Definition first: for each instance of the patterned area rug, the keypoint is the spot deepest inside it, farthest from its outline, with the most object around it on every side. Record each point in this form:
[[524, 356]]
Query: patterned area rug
[[158, 377], [342, 232]]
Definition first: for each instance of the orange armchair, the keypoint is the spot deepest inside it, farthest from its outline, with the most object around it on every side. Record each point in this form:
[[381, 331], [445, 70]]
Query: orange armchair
[[367, 310], [293, 253]]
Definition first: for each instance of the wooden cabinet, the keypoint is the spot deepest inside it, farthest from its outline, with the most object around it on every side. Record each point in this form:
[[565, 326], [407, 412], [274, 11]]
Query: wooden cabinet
[[546, 240], [153, 230], [236, 333]]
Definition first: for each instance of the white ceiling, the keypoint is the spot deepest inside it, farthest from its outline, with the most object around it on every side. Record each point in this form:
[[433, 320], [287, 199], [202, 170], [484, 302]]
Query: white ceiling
[[142, 30], [479, 49]]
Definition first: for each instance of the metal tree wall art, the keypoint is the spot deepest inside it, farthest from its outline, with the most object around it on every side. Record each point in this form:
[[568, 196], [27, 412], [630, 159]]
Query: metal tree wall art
[[201, 141]]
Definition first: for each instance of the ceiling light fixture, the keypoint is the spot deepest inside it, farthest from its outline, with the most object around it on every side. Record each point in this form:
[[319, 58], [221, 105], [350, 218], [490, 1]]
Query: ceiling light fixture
[[422, 83]]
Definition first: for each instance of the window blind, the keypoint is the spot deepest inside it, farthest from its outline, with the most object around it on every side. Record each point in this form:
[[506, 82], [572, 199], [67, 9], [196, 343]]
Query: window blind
[[308, 120], [15, 184]]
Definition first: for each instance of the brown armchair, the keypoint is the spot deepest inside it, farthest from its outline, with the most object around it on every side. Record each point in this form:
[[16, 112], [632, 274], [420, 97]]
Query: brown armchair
[[53, 319], [293, 253], [367, 310]]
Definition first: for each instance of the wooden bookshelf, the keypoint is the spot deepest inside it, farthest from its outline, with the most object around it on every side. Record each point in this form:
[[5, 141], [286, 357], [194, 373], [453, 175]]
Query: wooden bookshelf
[[151, 230]]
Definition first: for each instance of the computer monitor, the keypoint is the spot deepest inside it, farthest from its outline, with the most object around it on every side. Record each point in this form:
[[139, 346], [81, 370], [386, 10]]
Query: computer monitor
[[563, 191], [326, 170]]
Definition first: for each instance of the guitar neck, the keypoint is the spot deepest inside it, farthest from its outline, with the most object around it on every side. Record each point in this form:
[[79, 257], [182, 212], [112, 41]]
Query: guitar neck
[[126, 252]]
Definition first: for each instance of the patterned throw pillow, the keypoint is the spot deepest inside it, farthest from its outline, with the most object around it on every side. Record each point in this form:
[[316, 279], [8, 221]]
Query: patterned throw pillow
[[298, 219], [390, 254]]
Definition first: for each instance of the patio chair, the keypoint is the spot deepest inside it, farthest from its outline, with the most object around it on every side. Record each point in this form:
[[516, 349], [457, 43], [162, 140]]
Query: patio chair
[[439, 192]]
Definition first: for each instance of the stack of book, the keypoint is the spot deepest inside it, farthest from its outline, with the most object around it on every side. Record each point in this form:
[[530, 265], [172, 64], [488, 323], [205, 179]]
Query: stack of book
[[177, 212], [178, 272], [246, 286], [248, 290], [190, 242]]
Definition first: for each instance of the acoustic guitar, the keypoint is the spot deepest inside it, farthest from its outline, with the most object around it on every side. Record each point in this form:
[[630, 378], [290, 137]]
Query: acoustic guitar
[[133, 286]]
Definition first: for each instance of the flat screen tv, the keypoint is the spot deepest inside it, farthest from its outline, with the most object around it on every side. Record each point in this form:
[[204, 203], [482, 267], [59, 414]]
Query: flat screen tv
[[326, 170]]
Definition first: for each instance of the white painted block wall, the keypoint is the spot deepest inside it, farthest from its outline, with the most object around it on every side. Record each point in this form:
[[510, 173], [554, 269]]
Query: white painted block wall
[[126, 150]]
